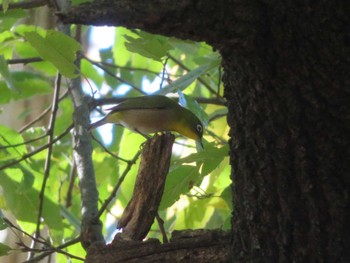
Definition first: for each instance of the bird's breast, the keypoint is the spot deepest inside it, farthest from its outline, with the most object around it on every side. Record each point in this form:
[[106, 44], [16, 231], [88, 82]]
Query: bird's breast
[[148, 120]]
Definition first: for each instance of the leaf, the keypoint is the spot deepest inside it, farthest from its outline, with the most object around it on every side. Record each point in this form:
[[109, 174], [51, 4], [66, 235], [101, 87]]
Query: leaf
[[179, 181], [5, 73], [58, 49], [10, 137], [4, 249], [211, 157], [27, 208], [27, 84], [10, 17], [191, 104], [227, 196], [3, 224], [186, 80], [150, 46], [71, 218]]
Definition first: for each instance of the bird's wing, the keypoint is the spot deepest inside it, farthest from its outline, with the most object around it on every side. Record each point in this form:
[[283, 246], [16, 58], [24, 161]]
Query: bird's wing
[[145, 102]]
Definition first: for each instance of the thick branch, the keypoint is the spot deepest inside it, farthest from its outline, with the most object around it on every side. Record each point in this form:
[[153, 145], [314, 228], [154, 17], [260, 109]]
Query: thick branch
[[185, 246], [182, 19], [140, 212]]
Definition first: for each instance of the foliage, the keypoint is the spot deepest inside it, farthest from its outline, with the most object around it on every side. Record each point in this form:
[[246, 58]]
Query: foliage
[[137, 63]]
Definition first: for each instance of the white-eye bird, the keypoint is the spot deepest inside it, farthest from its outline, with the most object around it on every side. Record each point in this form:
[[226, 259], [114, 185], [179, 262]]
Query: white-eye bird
[[154, 113]]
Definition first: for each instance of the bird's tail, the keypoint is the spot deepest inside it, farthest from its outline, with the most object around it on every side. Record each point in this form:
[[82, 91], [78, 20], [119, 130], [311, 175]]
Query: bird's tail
[[96, 124]]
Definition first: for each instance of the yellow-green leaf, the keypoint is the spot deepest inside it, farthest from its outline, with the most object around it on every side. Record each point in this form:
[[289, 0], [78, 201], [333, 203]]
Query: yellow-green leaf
[[57, 48]]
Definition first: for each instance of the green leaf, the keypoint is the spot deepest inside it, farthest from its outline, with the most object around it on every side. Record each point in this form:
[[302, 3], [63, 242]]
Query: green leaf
[[27, 209], [227, 196], [10, 17], [10, 137], [150, 46], [191, 104], [211, 157], [4, 249], [5, 73], [179, 181], [27, 84], [186, 80], [72, 219], [91, 72], [3, 224], [57, 48]]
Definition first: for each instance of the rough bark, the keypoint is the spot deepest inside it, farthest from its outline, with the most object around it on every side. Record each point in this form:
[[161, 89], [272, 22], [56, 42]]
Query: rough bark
[[287, 86], [288, 94], [185, 246]]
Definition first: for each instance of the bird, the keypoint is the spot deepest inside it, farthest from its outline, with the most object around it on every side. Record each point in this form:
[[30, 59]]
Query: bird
[[154, 113]]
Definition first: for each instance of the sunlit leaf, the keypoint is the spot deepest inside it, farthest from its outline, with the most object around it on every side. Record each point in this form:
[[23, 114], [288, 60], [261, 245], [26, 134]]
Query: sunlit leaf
[[10, 17], [179, 181], [186, 80], [150, 46], [71, 218], [211, 157], [57, 48], [27, 209], [27, 85], [227, 196], [9, 138]]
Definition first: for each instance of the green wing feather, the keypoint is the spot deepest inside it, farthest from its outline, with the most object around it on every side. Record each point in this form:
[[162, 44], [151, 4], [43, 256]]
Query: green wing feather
[[145, 102]]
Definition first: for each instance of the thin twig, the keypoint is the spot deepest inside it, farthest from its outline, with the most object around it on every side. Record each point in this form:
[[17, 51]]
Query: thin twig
[[28, 155], [161, 227], [47, 167], [108, 151], [122, 67], [57, 249], [39, 117], [72, 176], [116, 188], [163, 72], [201, 80], [114, 76], [24, 60], [24, 143], [48, 247], [218, 138], [39, 239]]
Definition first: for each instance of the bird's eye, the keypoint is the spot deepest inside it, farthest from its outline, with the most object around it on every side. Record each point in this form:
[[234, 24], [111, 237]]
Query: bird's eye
[[199, 128]]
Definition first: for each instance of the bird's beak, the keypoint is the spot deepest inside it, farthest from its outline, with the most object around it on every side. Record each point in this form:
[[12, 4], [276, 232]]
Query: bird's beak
[[199, 145]]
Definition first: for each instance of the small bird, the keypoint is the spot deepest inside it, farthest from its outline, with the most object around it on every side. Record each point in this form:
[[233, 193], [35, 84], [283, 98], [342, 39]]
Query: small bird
[[154, 113]]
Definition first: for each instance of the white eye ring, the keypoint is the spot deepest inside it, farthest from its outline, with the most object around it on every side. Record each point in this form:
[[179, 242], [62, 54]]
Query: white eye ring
[[199, 128]]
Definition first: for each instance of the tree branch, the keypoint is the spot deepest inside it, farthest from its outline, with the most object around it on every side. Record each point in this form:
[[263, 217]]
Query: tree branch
[[50, 130], [116, 187], [28, 155], [205, 246], [141, 210], [26, 5]]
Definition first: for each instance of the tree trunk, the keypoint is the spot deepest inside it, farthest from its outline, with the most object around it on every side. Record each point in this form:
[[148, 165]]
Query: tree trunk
[[287, 86], [289, 113]]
